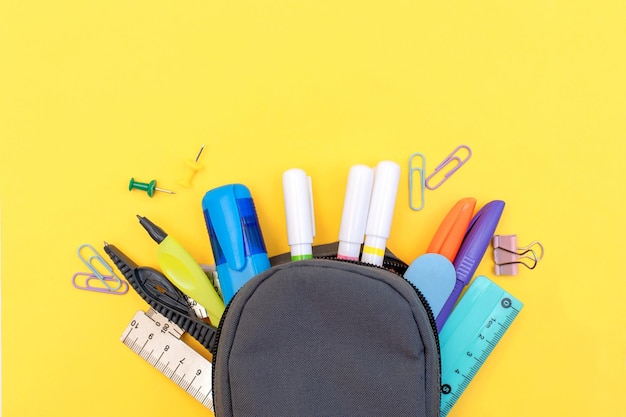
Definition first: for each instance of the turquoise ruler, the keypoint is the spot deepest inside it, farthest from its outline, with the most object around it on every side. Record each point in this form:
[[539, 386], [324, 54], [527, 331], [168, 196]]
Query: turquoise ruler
[[474, 328]]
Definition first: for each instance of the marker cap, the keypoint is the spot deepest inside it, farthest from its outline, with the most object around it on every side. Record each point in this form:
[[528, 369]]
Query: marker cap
[[298, 195], [301, 251], [383, 201], [380, 215], [349, 251], [451, 232], [355, 209], [374, 250]]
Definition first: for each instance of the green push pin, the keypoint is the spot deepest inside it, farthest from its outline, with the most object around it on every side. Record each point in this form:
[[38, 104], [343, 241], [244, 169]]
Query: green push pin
[[148, 187]]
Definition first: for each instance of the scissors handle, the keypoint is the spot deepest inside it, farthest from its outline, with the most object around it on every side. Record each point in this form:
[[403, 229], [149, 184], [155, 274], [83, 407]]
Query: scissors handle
[[163, 296]]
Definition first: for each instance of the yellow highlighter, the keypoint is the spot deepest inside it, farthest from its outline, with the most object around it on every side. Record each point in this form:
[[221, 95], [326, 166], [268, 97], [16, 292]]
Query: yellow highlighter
[[184, 272]]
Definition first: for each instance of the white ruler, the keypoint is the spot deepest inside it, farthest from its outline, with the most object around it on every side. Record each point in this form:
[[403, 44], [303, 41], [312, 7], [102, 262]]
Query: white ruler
[[156, 339]]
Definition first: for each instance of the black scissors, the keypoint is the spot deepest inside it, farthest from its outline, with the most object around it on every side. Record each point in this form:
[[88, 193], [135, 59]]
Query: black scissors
[[163, 296]]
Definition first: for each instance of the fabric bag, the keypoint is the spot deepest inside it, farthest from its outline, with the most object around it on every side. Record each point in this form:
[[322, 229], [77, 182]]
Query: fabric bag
[[325, 337]]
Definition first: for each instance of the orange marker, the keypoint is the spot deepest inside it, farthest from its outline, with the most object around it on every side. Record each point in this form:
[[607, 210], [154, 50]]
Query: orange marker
[[433, 273], [449, 236]]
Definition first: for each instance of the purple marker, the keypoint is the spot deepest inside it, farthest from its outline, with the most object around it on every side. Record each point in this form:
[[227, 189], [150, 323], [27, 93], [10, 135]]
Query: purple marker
[[475, 243]]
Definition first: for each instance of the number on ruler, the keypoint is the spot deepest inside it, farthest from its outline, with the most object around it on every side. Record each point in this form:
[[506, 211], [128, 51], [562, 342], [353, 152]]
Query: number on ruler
[[479, 350], [157, 340], [474, 328]]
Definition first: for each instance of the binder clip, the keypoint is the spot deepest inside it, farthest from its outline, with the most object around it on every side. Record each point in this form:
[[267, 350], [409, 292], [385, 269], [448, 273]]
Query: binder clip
[[453, 158], [421, 169], [109, 283], [508, 256]]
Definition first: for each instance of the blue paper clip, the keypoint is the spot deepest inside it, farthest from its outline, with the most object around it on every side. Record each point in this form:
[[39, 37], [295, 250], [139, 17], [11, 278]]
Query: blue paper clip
[[422, 173], [110, 277], [89, 277], [449, 159]]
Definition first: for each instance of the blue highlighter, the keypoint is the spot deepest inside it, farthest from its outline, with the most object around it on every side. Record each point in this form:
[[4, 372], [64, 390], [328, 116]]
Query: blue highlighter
[[235, 236]]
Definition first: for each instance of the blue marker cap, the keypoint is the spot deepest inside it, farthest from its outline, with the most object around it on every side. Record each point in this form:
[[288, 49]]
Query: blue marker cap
[[235, 235]]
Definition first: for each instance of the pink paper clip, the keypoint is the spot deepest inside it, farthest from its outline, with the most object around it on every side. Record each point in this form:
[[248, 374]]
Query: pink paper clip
[[102, 283], [508, 256], [452, 158]]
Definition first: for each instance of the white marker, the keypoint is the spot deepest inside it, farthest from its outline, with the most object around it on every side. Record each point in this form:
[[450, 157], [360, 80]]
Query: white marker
[[298, 196], [384, 191], [355, 208]]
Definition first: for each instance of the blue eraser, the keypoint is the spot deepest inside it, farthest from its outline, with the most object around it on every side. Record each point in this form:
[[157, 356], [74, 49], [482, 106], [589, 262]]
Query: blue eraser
[[434, 276]]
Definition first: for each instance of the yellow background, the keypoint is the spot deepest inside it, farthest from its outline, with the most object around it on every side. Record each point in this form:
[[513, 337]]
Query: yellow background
[[95, 92]]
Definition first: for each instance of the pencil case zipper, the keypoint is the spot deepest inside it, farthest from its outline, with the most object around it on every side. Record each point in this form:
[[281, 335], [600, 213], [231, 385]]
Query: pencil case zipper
[[390, 264]]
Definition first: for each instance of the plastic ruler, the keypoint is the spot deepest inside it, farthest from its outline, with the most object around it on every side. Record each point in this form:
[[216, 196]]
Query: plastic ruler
[[476, 325], [157, 340], [471, 332]]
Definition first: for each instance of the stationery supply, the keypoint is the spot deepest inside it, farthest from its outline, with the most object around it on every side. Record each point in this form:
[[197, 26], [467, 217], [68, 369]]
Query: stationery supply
[[235, 234], [193, 166], [299, 212], [420, 168], [417, 164], [380, 214], [163, 296], [183, 271], [292, 354], [449, 236], [475, 243], [508, 256], [290, 335], [325, 337], [474, 328], [157, 340], [457, 158], [92, 282], [354, 214], [433, 273], [102, 278], [148, 187]]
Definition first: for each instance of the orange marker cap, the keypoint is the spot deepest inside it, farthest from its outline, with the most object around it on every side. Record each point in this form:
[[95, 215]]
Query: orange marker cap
[[451, 232]]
